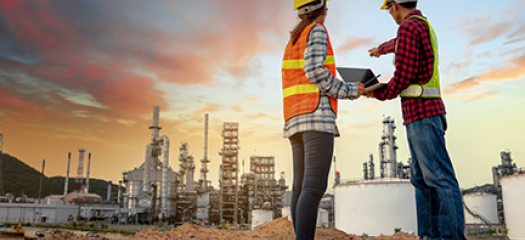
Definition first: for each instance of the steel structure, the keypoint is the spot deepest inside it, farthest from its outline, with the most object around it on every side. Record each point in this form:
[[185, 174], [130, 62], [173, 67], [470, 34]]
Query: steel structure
[[387, 149], [228, 178], [260, 187], [504, 169], [151, 189]]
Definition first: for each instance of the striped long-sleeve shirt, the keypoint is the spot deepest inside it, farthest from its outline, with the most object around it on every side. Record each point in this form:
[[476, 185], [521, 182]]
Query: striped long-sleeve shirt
[[323, 118]]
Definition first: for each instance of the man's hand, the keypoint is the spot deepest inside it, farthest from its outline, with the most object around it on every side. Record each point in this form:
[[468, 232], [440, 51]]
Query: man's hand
[[374, 52], [370, 95], [360, 90]]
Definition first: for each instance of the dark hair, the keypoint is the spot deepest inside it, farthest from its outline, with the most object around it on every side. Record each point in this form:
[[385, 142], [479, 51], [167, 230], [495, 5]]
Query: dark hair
[[409, 5], [306, 20]]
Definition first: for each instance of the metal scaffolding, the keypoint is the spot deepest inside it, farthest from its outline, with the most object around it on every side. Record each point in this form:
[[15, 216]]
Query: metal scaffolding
[[228, 173]]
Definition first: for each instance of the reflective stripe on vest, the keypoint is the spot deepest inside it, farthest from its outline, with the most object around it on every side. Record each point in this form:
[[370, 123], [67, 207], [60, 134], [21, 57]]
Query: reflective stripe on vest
[[431, 89], [295, 64], [300, 96]]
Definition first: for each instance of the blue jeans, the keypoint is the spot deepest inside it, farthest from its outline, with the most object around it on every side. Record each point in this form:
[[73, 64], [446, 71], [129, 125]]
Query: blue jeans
[[439, 201], [312, 155]]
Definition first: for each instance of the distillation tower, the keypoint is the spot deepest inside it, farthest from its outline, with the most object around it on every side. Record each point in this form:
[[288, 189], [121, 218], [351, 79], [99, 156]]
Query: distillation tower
[[151, 189]]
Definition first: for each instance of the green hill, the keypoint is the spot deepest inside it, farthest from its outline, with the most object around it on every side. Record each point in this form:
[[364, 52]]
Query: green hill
[[20, 179]]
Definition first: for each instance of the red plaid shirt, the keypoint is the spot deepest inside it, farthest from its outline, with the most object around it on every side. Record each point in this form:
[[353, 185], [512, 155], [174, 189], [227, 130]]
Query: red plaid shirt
[[414, 61]]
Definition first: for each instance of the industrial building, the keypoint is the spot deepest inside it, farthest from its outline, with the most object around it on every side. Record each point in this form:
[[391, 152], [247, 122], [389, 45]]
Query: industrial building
[[156, 192]]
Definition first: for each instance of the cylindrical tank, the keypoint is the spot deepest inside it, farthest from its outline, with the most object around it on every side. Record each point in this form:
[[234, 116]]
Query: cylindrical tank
[[375, 206], [322, 218], [513, 193], [287, 212], [260, 216], [133, 188], [480, 204]]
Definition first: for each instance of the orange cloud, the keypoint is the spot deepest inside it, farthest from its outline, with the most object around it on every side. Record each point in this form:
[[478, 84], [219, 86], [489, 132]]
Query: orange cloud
[[237, 106], [462, 85], [261, 115], [513, 71], [353, 43]]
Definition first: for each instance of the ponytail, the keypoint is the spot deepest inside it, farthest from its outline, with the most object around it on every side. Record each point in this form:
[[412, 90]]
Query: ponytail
[[306, 19]]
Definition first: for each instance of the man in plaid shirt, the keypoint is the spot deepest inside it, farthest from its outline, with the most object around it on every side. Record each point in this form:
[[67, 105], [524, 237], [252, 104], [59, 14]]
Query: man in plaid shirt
[[416, 78]]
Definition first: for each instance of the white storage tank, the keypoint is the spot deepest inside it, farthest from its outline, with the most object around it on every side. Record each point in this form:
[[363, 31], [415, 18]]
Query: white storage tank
[[513, 194], [261, 216], [287, 212], [481, 204], [375, 207], [322, 218]]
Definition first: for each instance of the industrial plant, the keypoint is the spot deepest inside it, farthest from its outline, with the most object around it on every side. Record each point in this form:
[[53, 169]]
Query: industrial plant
[[162, 190]]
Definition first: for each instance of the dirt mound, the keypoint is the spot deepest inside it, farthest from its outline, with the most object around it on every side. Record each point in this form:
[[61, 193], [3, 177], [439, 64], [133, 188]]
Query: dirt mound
[[68, 235], [279, 229]]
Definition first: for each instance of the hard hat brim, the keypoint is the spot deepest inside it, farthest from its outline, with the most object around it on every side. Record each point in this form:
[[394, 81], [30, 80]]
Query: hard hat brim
[[297, 7]]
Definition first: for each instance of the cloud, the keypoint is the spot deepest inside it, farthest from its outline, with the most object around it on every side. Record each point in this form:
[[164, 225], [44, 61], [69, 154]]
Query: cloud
[[507, 23], [255, 116], [462, 85], [482, 96], [353, 43], [513, 71], [490, 33], [238, 106]]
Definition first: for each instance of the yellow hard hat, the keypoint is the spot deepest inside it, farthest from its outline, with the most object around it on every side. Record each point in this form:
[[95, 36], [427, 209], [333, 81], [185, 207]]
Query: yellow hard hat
[[388, 3], [385, 4], [298, 3]]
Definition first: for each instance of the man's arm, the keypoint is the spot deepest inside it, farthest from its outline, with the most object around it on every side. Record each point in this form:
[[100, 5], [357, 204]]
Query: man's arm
[[406, 62], [385, 48]]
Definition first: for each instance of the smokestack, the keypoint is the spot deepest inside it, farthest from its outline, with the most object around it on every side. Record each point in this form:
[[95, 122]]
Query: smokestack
[[41, 180], [1, 139], [86, 189], [205, 160], [66, 183], [110, 184], [119, 195], [81, 153]]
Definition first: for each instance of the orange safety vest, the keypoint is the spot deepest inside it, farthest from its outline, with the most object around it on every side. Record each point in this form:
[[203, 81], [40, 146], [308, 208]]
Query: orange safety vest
[[299, 94]]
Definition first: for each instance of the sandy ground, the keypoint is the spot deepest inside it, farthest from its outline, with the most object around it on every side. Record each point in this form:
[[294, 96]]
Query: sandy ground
[[279, 229]]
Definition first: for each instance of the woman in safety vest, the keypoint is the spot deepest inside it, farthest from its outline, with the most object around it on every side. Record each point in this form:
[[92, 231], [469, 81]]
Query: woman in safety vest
[[310, 93]]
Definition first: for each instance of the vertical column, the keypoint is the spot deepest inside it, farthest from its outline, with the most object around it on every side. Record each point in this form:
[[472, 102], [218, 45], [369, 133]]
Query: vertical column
[[86, 189], [66, 182]]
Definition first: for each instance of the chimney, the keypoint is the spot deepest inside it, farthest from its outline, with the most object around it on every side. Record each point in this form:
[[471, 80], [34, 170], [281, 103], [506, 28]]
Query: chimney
[[110, 184], [66, 183], [41, 180], [86, 189]]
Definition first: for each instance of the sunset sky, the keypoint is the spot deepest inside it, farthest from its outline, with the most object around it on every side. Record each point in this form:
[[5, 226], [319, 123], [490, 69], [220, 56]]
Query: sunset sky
[[87, 73]]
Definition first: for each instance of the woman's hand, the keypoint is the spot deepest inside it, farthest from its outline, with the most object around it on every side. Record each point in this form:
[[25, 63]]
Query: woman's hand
[[360, 90]]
